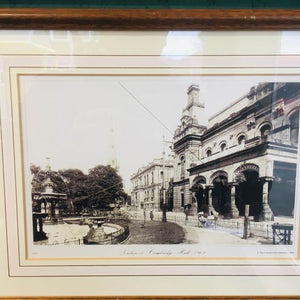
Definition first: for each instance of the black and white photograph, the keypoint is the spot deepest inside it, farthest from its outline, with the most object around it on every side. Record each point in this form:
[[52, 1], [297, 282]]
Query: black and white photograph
[[160, 160]]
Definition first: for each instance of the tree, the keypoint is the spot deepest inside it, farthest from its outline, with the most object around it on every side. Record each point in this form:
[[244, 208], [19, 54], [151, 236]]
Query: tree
[[104, 187], [76, 187], [34, 169], [97, 190], [126, 198]]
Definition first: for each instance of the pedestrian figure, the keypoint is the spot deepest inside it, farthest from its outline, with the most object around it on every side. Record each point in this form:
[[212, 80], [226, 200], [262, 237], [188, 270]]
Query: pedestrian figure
[[151, 215], [201, 219], [186, 212]]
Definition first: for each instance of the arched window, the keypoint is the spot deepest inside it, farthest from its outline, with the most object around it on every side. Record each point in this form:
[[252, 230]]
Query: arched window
[[265, 130], [208, 153], [182, 199], [182, 166], [241, 139], [222, 147], [294, 130]]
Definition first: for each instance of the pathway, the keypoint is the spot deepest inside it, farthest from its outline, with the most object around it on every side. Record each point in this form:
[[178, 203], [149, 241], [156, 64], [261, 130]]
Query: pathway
[[202, 236]]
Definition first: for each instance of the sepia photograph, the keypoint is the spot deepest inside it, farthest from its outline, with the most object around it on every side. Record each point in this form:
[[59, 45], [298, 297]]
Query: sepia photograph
[[130, 160]]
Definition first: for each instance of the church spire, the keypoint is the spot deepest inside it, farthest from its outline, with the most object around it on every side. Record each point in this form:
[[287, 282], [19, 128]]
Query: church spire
[[113, 161]]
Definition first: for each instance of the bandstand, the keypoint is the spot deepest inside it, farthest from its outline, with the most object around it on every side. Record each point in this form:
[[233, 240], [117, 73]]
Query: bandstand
[[46, 207]]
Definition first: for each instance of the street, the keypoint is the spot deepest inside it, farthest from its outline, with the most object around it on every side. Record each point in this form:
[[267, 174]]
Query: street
[[157, 232]]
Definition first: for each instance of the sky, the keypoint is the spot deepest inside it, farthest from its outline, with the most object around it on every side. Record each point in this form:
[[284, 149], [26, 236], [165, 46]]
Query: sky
[[70, 118]]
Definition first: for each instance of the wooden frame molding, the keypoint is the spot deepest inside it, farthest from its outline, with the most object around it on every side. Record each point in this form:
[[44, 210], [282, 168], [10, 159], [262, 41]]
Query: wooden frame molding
[[157, 297], [150, 19]]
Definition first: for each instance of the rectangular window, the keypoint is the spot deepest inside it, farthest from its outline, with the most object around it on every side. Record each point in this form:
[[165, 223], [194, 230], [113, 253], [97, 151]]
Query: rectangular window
[[182, 200]]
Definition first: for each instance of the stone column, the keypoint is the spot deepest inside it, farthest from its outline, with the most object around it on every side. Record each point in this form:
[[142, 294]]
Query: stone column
[[49, 209], [188, 198], [177, 199], [211, 209], [194, 205], [56, 210], [234, 212], [266, 213], [43, 207]]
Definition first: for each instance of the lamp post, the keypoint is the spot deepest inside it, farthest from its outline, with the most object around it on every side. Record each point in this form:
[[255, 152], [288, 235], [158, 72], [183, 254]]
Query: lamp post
[[164, 201]]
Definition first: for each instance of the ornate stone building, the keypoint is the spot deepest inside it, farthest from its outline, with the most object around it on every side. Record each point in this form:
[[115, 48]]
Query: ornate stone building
[[245, 154], [147, 184]]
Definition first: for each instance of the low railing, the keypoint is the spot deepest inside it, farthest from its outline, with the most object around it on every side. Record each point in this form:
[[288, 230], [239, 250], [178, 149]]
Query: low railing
[[236, 227], [117, 237], [232, 226]]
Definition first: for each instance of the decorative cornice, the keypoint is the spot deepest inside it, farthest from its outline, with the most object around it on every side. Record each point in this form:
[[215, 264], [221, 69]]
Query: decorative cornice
[[255, 151], [187, 138], [147, 168], [181, 182]]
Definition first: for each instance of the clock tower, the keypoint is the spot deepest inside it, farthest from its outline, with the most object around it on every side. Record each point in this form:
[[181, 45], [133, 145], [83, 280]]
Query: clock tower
[[187, 148]]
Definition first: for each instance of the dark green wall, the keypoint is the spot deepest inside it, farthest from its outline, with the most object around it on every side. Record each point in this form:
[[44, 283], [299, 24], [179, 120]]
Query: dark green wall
[[153, 3]]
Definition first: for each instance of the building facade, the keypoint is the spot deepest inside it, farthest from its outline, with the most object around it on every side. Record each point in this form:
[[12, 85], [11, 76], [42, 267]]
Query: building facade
[[147, 184], [246, 154]]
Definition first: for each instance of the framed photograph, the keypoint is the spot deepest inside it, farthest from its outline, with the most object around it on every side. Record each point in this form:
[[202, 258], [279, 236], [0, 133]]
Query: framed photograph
[[149, 153]]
